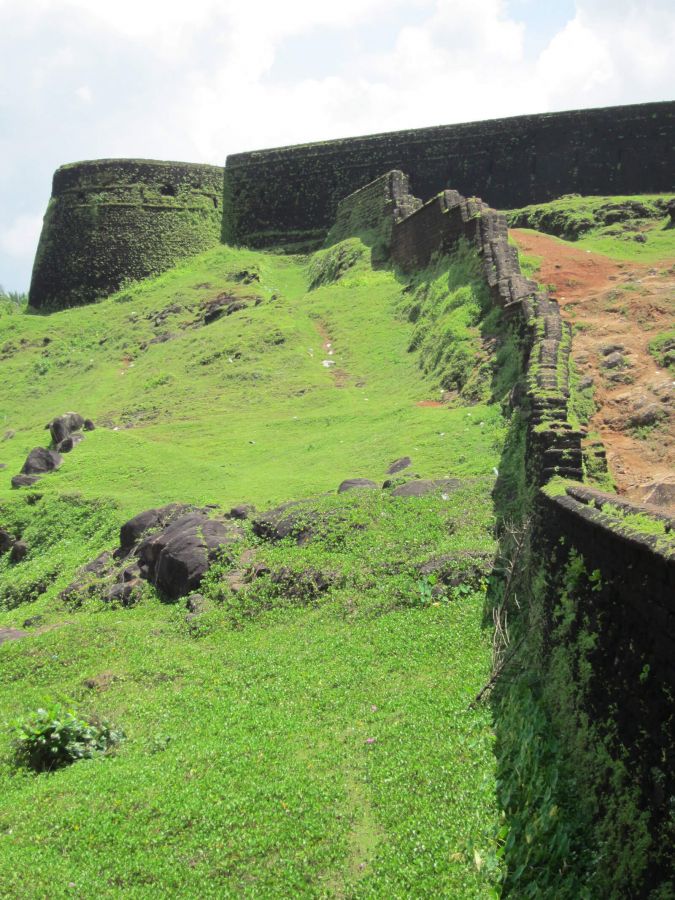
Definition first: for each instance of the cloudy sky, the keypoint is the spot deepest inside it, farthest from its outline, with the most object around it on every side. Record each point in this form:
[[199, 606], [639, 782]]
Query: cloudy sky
[[198, 79]]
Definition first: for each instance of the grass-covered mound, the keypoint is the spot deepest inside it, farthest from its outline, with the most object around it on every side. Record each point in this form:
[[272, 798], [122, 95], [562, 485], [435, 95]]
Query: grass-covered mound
[[633, 228], [309, 732]]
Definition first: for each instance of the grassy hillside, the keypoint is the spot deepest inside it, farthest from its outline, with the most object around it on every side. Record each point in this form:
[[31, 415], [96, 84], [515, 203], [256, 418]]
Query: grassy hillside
[[312, 733], [633, 228]]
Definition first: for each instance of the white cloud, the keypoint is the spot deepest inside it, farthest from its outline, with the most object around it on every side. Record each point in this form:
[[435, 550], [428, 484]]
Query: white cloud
[[200, 79], [19, 239]]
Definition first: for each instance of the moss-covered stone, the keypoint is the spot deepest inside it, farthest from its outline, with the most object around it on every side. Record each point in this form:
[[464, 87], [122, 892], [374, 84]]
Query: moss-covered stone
[[112, 221]]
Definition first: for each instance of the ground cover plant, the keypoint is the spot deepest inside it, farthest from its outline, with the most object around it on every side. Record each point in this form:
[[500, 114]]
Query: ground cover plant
[[634, 228], [311, 732]]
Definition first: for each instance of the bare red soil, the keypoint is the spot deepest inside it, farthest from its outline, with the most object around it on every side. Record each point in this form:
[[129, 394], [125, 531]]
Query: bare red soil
[[618, 308]]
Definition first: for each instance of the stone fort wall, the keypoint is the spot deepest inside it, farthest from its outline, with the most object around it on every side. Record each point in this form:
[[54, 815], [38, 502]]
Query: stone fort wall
[[293, 192], [110, 221], [114, 220]]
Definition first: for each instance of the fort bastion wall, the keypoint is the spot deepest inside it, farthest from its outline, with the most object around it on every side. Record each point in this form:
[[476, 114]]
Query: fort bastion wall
[[109, 221]]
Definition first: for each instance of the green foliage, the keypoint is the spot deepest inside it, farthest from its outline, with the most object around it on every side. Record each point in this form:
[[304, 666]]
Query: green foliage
[[54, 737], [449, 304], [322, 695], [635, 228], [662, 348], [328, 266]]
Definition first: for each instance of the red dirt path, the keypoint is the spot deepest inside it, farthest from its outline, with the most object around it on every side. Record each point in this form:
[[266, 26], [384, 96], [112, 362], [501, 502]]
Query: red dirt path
[[626, 304]]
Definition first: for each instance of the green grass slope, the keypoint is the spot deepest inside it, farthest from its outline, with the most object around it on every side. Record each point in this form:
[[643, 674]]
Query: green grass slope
[[293, 740], [634, 228]]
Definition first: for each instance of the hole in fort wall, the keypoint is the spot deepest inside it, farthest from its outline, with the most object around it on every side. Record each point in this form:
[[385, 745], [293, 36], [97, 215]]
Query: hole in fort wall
[[168, 190]]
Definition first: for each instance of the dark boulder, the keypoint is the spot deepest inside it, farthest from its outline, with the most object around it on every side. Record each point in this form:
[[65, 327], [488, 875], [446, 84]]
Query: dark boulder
[[40, 460], [19, 551], [67, 444], [242, 511], [464, 567], [6, 541], [20, 481], [398, 465], [100, 565], [427, 486], [132, 531], [63, 426], [125, 593], [292, 519], [33, 621], [353, 484], [177, 557], [88, 425]]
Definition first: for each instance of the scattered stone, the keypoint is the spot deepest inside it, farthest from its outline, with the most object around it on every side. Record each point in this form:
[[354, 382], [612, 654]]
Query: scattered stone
[[20, 481], [242, 511], [352, 484], [586, 382], [100, 682], [63, 426], [3, 466], [125, 593], [19, 551], [427, 486], [33, 621], [8, 435], [465, 567], [304, 585], [606, 349], [649, 414], [289, 519], [197, 604], [132, 531], [99, 565], [613, 360], [399, 464], [660, 493], [88, 425], [67, 444], [6, 541], [40, 461]]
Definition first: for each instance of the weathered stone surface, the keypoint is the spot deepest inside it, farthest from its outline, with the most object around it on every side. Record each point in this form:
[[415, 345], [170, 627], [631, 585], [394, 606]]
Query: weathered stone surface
[[399, 464], [33, 621], [649, 414], [63, 426], [6, 540], [197, 604], [425, 486], [242, 511], [67, 444], [19, 551], [41, 460], [177, 557], [352, 484], [289, 519], [661, 494], [464, 567], [613, 360], [19, 481], [134, 529], [125, 593]]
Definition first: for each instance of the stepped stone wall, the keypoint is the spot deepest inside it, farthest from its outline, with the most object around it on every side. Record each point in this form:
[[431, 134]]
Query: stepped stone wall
[[374, 208], [618, 609], [554, 446], [109, 221], [293, 192]]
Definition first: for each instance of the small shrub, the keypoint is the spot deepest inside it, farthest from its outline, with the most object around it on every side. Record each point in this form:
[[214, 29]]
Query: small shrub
[[54, 737]]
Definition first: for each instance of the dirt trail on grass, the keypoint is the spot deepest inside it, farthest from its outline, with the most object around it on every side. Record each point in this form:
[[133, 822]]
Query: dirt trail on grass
[[340, 376], [618, 308]]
